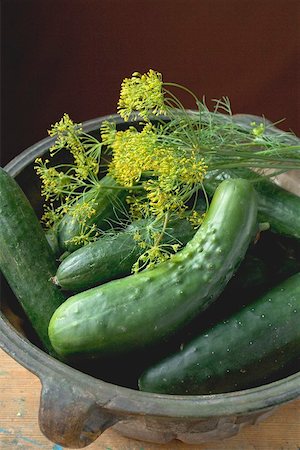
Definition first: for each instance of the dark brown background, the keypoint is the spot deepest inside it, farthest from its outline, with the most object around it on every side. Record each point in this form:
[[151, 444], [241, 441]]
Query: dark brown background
[[71, 56]]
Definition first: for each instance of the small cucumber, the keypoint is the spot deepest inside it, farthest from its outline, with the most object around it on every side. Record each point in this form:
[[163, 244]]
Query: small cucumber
[[113, 256], [253, 345], [107, 200], [277, 206], [146, 308], [26, 259]]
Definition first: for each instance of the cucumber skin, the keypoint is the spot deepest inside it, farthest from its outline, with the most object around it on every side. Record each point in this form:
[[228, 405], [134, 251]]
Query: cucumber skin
[[111, 257], [106, 195], [52, 240], [243, 351], [275, 205], [280, 208], [26, 259], [146, 308]]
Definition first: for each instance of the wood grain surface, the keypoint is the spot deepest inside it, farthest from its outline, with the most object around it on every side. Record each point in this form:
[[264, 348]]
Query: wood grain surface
[[19, 403]]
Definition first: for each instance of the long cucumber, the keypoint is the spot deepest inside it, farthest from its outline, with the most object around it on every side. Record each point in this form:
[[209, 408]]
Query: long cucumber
[[146, 308], [26, 259], [244, 351], [277, 206]]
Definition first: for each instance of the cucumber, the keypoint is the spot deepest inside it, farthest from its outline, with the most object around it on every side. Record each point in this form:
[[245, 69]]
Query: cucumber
[[269, 261], [26, 259], [277, 206], [52, 240], [108, 201], [244, 351], [113, 256], [147, 308], [280, 208]]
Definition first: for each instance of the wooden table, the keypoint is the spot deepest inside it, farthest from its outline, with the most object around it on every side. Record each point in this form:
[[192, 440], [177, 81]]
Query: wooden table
[[19, 402]]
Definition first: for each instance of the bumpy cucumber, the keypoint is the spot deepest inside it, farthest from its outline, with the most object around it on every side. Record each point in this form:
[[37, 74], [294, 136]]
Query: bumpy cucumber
[[138, 311], [26, 259], [113, 256], [246, 350], [275, 205], [107, 198]]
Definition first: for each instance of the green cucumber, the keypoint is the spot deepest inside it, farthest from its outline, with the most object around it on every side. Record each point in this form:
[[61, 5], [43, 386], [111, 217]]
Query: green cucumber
[[269, 261], [246, 350], [52, 239], [26, 259], [112, 256], [138, 311], [277, 206], [280, 208], [108, 202]]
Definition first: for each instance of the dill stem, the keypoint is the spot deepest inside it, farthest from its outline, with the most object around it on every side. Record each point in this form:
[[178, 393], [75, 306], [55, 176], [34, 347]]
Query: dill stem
[[184, 88], [161, 234]]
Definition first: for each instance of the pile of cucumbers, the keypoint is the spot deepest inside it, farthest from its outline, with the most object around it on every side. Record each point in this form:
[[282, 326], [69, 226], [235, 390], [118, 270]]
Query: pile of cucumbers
[[88, 306]]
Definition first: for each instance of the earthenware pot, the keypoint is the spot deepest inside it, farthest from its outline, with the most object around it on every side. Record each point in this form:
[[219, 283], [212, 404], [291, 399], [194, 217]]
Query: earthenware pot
[[75, 407]]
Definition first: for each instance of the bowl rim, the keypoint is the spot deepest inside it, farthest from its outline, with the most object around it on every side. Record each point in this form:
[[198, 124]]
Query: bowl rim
[[126, 400]]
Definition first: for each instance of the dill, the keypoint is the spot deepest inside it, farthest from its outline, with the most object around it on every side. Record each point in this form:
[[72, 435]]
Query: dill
[[163, 164]]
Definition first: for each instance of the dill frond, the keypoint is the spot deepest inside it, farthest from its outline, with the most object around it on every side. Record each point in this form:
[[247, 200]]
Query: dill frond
[[162, 164]]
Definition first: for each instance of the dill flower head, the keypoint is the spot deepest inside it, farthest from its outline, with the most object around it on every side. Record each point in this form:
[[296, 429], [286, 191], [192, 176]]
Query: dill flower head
[[108, 131], [166, 176], [132, 154], [142, 94], [87, 234], [191, 169], [83, 210], [53, 180], [257, 129], [51, 215], [196, 218], [64, 131], [68, 135]]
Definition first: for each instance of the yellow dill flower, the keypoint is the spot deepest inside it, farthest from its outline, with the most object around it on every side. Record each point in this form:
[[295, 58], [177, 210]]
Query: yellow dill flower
[[86, 235], [165, 162], [142, 94], [83, 211], [138, 207], [154, 255], [137, 237], [142, 244], [85, 165], [108, 132], [63, 130], [258, 130], [51, 215], [132, 154], [196, 219], [162, 199], [190, 170], [159, 200], [53, 181], [68, 136]]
